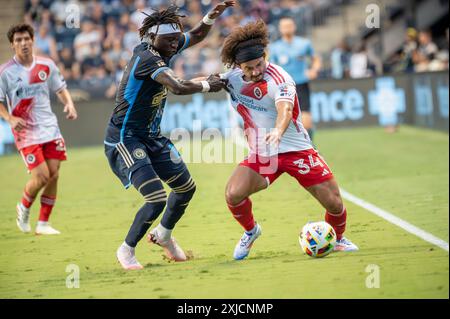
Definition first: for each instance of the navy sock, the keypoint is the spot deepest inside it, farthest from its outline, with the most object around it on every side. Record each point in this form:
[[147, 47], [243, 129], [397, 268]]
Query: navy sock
[[149, 185]]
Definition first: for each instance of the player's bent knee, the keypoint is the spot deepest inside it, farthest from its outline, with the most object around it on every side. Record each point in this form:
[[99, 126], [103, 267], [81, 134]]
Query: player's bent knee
[[335, 206], [234, 196], [53, 177], [187, 194]]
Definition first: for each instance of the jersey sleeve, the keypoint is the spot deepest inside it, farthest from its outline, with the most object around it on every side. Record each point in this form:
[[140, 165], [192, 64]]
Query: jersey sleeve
[[56, 80], [310, 49], [149, 66], [2, 91], [285, 92], [183, 43], [226, 75]]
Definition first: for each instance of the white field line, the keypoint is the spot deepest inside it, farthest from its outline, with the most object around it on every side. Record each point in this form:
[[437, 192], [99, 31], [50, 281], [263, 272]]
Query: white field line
[[395, 220]]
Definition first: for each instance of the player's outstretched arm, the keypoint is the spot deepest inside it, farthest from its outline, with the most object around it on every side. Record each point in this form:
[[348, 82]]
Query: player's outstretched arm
[[16, 123], [69, 107], [185, 87], [199, 32]]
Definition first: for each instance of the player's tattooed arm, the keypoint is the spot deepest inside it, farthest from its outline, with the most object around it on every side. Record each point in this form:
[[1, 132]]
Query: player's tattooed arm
[[16, 123], [284, 117], [185, 87], [201, 30], [69, 107]]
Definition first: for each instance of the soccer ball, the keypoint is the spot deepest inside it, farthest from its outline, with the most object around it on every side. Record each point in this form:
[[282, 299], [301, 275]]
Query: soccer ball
[[317, 239]]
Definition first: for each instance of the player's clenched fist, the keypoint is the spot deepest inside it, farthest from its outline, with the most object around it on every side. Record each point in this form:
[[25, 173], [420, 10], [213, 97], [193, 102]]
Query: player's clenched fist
[[215, 83]]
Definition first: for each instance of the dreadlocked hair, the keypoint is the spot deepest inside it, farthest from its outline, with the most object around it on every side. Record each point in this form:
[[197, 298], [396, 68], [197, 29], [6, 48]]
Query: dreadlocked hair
[[251, 34], [170, 15]]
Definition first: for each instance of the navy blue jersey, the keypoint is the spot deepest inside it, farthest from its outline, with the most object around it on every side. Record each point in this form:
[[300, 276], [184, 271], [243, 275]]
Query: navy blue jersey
[[140, 99]]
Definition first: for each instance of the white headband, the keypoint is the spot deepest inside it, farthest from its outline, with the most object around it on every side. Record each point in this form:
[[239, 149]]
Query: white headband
[[165, 28]]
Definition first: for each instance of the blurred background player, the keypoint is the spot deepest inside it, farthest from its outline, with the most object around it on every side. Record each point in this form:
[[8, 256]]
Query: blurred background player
[[296, 55], [25, 84], [264, 95], [137, 152]]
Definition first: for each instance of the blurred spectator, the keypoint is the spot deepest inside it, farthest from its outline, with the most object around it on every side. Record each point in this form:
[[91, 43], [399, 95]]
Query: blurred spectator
[[45, 43], [68, 66], [113, 57], [112, 34], [116, 78], [340, 57], [87, 41], [33, 11], [408, 49], [96, 15], [64, 36], [131, 37], [137, 17], [426, 51], [359, 63]]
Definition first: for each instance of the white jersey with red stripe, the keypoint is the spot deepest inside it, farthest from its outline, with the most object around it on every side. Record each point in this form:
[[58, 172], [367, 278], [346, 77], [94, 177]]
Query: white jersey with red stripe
[[256, 103], [26, 92]]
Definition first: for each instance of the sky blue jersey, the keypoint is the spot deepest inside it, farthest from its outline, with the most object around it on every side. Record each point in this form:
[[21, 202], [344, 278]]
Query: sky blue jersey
[[294, 57]]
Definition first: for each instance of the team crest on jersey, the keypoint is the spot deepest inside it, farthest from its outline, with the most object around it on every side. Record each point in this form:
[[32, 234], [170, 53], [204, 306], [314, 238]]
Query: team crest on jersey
[[139, 153], [42, 75], [30, 158], [256, 90]]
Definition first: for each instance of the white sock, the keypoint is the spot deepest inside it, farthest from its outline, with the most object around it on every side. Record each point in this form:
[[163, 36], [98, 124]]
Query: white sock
[[252, 231], [24, 208], [128, 247], [163, 233], [41, 223]]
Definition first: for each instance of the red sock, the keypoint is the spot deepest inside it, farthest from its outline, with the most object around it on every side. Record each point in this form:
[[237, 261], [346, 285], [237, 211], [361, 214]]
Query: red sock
[[338, 222], [27, 200], [47, 203], [242, 212]]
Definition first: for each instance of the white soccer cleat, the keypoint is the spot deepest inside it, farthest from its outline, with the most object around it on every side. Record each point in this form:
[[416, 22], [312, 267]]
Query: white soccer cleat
[[44, 228], [345, 245], [171, 248], [23, 218], [244, 245], [127, 258]]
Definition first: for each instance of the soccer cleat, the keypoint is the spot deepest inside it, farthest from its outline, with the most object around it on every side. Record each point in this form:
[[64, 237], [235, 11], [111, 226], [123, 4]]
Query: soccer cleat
[[345, 245], [127, 259], [171, 248], [244, 245], [23, 218], [44, 228]]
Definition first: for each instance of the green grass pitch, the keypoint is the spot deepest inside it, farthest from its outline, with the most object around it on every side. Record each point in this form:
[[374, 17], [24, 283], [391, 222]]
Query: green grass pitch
[[405, 173]]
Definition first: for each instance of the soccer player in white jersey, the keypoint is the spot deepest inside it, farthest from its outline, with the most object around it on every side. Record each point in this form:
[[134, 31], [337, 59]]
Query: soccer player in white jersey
[[265, 96], [25, 84]]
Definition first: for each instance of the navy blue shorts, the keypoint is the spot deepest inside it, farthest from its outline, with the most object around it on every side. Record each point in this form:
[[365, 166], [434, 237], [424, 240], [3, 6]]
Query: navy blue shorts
[[133, 153]]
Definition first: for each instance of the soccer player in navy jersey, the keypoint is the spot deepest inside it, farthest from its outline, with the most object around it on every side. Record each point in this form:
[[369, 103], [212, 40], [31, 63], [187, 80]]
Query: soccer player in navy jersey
[[137, 152]]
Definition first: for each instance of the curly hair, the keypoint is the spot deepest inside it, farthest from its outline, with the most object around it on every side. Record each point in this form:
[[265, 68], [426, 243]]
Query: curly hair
[[170, 15], [20, 28], [254, 33]]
